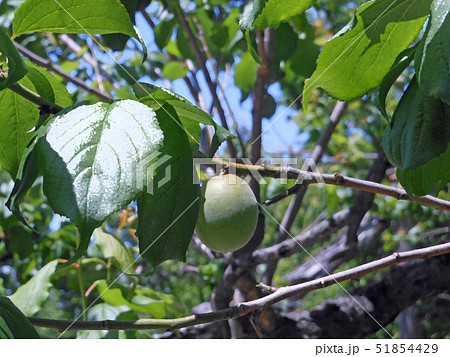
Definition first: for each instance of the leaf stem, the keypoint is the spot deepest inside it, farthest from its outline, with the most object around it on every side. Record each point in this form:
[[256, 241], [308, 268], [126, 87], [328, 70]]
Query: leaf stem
[[45, 105], [82, 285]]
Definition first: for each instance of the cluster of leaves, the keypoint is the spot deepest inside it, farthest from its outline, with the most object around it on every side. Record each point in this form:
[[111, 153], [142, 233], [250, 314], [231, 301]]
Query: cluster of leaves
[[80, 181], [86, 153], [372, 51]]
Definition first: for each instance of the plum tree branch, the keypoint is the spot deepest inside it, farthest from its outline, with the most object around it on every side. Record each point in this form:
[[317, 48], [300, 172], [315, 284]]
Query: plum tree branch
[[245, 308], [306, 177], [52, 68], [201, 60]]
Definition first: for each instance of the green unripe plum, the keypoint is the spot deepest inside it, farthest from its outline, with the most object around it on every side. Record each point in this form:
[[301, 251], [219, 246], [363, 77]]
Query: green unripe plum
[[228, 215]]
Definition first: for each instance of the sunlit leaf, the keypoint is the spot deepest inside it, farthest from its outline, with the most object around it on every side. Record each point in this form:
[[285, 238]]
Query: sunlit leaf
[[431, 61], [113, 248], [88, 159], [68, 16], [30, 297], [357, 58]]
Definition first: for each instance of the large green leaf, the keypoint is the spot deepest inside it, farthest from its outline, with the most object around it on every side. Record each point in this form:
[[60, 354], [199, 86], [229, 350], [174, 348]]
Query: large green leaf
[[112, 247], [68, 16], [32, 295], [419, 130], [275, 11], [167, 217], [357, 58], [431, 61], [117, 41], [18, 117], [16, 66], [13, 323], [190, 115], [430, 178], [88, 158], [140, 303]]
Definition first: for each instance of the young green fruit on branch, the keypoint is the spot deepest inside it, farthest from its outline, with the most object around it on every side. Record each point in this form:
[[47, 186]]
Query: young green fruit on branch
[[228, 215]]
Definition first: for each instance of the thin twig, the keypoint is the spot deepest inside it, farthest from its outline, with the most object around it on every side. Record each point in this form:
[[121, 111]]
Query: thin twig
[[245, 308], [201, 60], [300, 190], [53, 68]]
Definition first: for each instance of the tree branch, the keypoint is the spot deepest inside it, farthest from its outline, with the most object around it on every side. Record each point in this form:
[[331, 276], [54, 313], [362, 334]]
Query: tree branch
[[336, 253], [245, 308], [316, 234], [306, 177], [300, 189], [201, 60], [52, 68]]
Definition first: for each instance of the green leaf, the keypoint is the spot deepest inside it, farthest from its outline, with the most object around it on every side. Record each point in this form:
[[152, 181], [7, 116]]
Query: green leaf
[[431, 61], [419, 130], [117, 41], [32, 295], [114, 297], [5, 332], [275, 11], [251, 13], [18, 117], [13, 323], [358, 57], [401, 63], [61, 95], [20, 240], [174, 70], [112, 247], [429, 178], [190, 115], [41, 84], [224, 34], [167, 217], [68, 16], [163, 31], [250, 38], [16, 66], [88, 157], [26, 175], [245, 73]]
